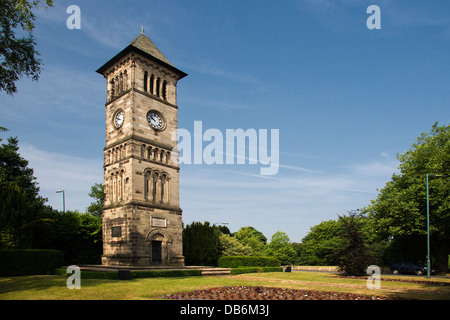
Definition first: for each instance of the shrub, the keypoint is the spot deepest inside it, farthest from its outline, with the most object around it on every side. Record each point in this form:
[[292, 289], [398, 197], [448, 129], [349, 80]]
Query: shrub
[[355, 256], [113, 275], [244, 261], [29, 262], [165, 273], [110, 275], [255, 270]]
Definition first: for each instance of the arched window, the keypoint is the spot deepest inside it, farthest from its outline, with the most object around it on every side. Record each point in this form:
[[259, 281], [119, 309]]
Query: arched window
[[120, 83], [112, 89], [147, 184], [116, 86], [125, 81], [163, 183], [145, 81], [155, 187], [152, 84], [120, 185], [158, 84], [165, 188], [113, 187], [167, 157], [164, 90]]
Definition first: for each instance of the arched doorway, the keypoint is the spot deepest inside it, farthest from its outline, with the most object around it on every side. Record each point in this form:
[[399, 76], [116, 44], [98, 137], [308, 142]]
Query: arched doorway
[[156, 242], [159, 246]]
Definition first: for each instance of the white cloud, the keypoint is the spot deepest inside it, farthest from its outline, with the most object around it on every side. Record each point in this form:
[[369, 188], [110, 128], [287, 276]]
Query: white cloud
[[384, 167]]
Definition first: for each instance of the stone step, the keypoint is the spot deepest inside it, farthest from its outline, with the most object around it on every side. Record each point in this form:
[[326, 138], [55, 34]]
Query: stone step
[[216, 272]]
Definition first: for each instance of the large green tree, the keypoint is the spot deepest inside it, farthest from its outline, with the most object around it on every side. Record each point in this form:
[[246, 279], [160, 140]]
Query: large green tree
[[321, 241], [20, 197], [201, 244], [18, 56], [400, 210], [252, 238], [14, 168], [77, 235], [230, 246], [15, 216], [280, 247]]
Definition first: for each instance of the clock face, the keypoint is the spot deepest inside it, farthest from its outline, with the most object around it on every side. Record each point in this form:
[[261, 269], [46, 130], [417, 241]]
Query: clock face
[[119, 118], [155, 120]]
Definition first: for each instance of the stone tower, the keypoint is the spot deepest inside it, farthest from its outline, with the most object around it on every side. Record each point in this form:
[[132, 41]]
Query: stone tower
[[142, 221]]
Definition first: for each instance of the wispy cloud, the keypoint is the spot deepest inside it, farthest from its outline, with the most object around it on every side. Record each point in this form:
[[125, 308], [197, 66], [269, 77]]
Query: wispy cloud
[[217, 104], [383, 167], [339, 15], [56, 171], [212, 69], [59, 88], [292, 201]]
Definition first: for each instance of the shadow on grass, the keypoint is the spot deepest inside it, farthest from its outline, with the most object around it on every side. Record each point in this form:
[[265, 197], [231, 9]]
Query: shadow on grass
[[35, 283], [30, 286], [424, 292]]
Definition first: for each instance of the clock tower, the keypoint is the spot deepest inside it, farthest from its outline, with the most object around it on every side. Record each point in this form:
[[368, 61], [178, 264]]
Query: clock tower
[[142, 221]]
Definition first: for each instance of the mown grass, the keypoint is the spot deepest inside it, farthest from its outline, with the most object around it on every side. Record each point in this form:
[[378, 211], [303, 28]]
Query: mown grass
[[54, 287]]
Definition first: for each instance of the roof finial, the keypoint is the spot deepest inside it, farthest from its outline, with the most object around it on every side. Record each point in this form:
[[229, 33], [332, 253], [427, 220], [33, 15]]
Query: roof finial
[[142, 29]]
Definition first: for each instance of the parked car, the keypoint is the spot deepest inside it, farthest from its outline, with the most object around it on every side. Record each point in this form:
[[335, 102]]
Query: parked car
[[406, 267]]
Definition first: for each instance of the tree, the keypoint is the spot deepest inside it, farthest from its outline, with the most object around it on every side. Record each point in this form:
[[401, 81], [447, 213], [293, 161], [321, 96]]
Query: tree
[[320, 243], [355, 255], [18, 56], [230, 246], [97, 193], [77, 235], [15, 215], [14, 168], [400, 210], [280, 248], [21, 202], [252, 238], [200, 244]]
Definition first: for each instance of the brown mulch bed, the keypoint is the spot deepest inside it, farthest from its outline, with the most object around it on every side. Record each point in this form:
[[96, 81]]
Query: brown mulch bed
[[266, 293]]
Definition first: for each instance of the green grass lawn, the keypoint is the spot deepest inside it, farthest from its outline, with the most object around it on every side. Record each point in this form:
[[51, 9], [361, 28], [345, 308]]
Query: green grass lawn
[[54, 287]]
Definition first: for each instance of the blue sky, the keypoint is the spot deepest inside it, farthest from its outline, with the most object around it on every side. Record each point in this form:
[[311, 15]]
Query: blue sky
[[345, 99]]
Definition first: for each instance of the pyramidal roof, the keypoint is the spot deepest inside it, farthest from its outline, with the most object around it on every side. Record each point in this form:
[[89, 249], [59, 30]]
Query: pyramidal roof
[[144, 46], [143, 43]]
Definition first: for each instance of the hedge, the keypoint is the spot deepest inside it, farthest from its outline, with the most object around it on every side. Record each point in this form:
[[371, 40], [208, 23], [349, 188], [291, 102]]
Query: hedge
[[112, 275], [241, 270], [166, 273], [246, 261], [22, 262]]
